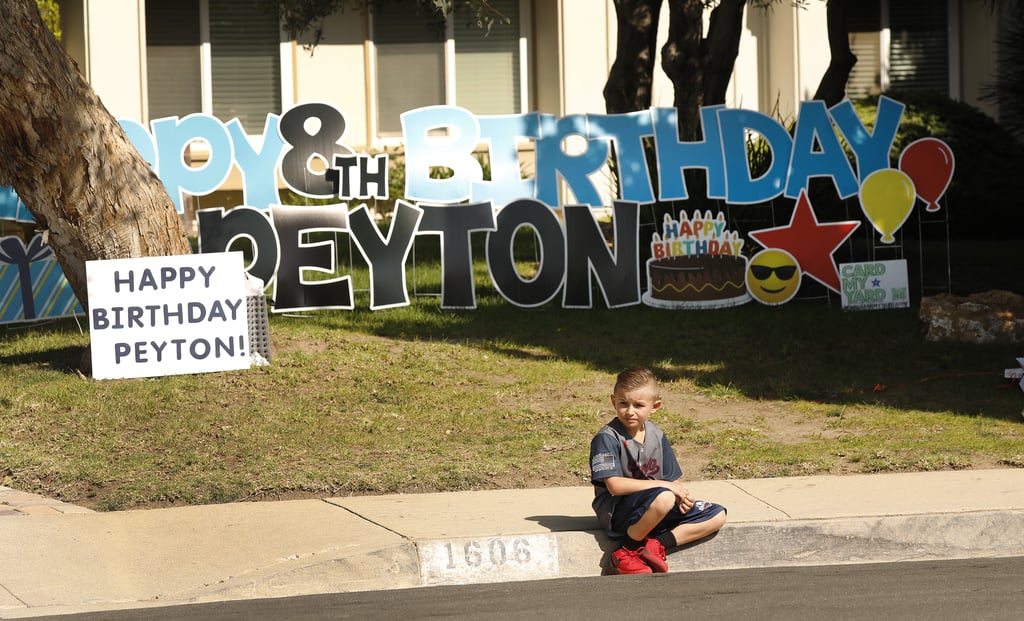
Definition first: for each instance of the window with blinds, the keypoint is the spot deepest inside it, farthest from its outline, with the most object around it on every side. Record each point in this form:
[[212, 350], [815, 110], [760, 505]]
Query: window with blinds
[[245, 61], [487, 63], [410, 63], [919, 46], [865, 22], [413, 68], [866, 77], [918, 54], [173, 61]]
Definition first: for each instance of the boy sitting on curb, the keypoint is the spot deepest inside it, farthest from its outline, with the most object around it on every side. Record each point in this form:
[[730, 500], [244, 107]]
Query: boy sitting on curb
[[639, 496]]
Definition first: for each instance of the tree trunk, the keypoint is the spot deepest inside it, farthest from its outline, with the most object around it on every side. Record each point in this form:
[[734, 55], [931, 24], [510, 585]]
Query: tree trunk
[[723, 47], [682, 59], [628, 87], [69, 160], [832, 88]]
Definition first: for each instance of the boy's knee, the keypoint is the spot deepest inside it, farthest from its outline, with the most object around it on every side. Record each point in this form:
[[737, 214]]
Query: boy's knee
[[664, 502]]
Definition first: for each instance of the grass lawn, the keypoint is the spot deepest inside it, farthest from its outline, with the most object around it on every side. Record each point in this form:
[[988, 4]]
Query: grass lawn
[[421, 399]]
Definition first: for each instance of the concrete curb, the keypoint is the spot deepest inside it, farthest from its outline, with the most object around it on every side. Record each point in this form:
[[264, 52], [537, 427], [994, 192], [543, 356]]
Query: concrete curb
[[790, 544], [61, 562], [585, 553], [14, 502], [859, 540], [392, 567]]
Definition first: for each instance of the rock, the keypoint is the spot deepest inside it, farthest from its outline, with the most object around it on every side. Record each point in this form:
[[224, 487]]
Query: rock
[[989, 317]]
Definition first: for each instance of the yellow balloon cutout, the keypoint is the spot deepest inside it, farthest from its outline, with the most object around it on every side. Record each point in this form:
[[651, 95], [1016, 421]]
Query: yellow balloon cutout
[[887, 197]]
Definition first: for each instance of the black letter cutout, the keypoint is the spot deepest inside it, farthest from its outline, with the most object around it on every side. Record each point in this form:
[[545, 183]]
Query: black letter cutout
[[323, 144], [386, 258], [618, 275], [293, 292], [217, 231], [454, 223], [501, 260]]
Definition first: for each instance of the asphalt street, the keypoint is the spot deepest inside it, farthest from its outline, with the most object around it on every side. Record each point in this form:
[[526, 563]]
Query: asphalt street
[[970, 588]]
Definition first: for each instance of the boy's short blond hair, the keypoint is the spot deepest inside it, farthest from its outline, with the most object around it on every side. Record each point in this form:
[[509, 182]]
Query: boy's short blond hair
[[635, 378]]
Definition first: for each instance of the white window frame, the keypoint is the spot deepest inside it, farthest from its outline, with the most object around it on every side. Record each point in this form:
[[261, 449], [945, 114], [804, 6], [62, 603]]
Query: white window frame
[[525, 19], [884, 43], [206, 66], [952, 46]]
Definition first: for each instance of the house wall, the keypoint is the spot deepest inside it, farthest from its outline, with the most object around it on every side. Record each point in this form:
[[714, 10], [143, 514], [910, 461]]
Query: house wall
[[547, 67], [565, 33], [978, 32], [789, 48], [783, 54], [744, 88], [107, 38], [812, 53], [587, 53], [72, 24], [337, 71]]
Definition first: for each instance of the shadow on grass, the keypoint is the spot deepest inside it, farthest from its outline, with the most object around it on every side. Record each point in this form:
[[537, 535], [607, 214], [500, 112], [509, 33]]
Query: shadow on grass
[[808, 349], [49, 346], [62, 359], [805, 350]]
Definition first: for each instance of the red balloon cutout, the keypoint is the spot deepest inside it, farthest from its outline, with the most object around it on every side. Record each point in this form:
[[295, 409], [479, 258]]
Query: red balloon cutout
[[929, 163]]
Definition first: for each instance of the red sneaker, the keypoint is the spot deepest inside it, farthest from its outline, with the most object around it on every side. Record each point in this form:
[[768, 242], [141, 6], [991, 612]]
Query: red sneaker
[[628, 562], [653, 554]]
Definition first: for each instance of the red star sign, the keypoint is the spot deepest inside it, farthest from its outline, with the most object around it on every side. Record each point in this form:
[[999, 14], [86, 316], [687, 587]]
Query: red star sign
[[810, 242]]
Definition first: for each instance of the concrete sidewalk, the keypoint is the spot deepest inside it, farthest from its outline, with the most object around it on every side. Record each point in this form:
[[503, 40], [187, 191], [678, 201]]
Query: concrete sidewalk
[[62, 559]]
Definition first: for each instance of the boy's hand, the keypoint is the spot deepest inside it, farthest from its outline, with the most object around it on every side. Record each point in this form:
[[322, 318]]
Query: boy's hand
[[683, 495], [686, 502]]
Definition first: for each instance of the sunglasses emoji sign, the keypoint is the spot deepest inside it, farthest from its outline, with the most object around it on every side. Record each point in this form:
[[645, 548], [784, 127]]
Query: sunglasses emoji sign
[[773, 277]]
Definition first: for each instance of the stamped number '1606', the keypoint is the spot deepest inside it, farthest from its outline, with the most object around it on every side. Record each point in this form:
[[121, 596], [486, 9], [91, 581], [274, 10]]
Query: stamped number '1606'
[[497, 552]]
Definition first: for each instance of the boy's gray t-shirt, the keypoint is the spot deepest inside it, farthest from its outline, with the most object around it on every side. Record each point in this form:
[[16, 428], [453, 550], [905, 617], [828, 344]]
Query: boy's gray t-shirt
[[614, 454]]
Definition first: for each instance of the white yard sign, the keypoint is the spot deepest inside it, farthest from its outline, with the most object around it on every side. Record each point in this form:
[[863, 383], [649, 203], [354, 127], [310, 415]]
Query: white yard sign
[[168, 315], [875, 284]]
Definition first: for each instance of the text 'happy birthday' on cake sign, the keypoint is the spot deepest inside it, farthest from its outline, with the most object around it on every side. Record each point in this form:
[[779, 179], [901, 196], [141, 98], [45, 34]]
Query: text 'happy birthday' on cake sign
[[696, 263], [695, 236]]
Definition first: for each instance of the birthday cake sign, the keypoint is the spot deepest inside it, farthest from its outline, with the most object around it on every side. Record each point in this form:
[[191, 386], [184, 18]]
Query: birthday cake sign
[[696, 263]]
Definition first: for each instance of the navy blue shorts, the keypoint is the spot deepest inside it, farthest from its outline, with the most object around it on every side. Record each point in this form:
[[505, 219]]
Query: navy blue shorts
[[631, 508]]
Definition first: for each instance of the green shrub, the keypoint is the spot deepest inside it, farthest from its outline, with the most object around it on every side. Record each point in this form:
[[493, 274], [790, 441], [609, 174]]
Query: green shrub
[[50, 10]]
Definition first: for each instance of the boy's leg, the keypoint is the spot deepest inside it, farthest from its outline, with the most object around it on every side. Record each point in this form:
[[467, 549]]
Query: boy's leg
[[660, 512], [650, 552], [687, 532], [655, 513]]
